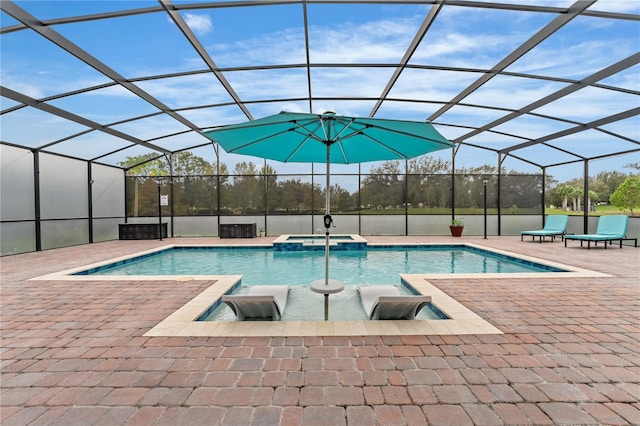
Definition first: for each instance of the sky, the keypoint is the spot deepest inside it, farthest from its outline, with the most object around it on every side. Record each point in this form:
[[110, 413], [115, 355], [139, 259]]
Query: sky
[[352, 47]]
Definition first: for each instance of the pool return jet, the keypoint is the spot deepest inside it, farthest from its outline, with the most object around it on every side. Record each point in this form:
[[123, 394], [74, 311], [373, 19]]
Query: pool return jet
[[330, 138]]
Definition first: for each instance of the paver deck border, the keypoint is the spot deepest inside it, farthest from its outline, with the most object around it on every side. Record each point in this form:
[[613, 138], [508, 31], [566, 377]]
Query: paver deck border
[[183, 321]]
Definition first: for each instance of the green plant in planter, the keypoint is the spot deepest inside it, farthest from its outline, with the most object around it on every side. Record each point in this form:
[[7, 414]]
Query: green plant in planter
[[457, 222], [456, 227]]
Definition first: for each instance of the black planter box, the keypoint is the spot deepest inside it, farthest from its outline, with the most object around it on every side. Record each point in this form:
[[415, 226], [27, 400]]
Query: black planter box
[[237, 230], [141, 231]]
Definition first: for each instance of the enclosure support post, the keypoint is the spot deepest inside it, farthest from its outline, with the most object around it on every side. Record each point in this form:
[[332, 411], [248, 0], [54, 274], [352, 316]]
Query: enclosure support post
[[217, 152], [266, 192], [126, 196], [484, 187], [171, 212], [585, 196], [544, 195], [90, 199], [313, 202], [406, 197], [36, 195], [159, 211], [453, 183], [499, 190]]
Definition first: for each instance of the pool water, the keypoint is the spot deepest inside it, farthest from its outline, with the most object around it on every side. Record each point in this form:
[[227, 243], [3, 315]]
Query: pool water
[[263, 265], [305, 305]]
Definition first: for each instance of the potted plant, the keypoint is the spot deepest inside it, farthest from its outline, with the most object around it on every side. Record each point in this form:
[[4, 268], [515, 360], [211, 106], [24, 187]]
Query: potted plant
[[456, 227], [262, 233]]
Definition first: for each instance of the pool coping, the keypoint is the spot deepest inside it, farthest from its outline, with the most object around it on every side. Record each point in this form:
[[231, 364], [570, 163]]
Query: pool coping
[[67, 274], [183, 322]]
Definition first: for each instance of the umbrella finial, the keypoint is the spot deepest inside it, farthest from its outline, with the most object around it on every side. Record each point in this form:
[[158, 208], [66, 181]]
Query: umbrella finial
[[328, 114]]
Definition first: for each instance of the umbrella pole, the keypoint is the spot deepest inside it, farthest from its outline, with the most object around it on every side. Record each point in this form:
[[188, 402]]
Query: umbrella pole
[[326, 286], [327, 225]]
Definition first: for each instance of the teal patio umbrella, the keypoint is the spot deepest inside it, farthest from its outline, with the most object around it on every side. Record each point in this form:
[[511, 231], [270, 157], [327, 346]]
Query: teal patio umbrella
[[330, 138]]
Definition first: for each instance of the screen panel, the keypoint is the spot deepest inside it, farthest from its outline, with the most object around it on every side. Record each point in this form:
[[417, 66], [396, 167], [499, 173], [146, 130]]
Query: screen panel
[[107, 191], [17, 200], [63, 188], [64, 233], [17, 237], [106, 229]]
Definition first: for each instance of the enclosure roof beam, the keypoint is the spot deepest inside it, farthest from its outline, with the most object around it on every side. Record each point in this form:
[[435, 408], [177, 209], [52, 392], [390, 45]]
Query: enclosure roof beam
[[426, 24], [307, 55], [597, 157], [533, 163], [193, 40], [146, 160], [604, 73], [600, 122], [53, 36], [42, 106], [246, 3], [553, 26]]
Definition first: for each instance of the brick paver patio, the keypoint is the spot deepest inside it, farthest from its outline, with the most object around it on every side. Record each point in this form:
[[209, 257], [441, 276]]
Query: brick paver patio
[[73, 353]]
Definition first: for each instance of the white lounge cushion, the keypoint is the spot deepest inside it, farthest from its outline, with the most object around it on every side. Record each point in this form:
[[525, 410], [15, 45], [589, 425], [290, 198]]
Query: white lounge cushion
[[262, 302], [369, 295], [280, 292], [386, 302]]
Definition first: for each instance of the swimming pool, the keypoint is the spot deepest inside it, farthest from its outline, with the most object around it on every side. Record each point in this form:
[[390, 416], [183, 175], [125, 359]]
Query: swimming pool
[[376, 265], [263, 265], [183, 321]]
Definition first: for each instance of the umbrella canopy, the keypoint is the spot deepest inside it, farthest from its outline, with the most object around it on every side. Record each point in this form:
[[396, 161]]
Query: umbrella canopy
[[314, 138], [303, 138]]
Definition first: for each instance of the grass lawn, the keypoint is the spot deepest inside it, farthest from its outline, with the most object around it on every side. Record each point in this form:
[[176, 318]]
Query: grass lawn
[[600, 210], [460, 212]]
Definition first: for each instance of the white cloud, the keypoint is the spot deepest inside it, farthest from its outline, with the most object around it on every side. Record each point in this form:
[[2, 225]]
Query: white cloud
[[559, 60], [620, 6], [377, 41], [200, 24], [589, 104], [28, 89], [183, 91]]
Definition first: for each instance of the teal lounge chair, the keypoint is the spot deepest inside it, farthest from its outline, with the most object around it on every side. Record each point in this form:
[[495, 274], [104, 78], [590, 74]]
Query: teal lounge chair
[[610, 228], [555, 224]]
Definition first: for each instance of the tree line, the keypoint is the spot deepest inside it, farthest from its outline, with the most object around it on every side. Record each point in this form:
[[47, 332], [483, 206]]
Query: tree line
[[421, 186], [616, 188]]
